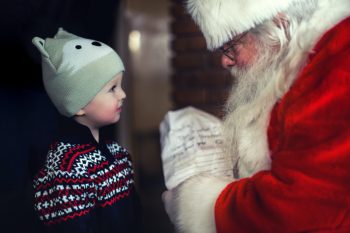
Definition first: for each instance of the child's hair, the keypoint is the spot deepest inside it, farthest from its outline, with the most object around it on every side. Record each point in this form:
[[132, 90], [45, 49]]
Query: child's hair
[[75, 69]]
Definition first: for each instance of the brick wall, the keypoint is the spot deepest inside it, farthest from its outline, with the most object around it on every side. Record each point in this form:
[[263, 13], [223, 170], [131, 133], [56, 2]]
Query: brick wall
[[197, 78]]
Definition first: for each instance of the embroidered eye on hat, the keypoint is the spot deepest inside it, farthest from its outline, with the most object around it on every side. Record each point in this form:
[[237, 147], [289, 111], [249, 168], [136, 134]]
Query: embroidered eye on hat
[[75, 69]]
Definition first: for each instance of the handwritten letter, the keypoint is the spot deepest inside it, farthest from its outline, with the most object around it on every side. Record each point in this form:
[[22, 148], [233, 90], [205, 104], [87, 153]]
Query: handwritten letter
[[192, 143]]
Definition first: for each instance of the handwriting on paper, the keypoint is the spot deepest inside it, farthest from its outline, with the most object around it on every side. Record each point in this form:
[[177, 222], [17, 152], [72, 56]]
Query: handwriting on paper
[[192, 144]]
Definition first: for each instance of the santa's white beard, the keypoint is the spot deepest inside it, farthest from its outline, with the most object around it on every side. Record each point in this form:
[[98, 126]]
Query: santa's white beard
[[248, 111], [250, 80]]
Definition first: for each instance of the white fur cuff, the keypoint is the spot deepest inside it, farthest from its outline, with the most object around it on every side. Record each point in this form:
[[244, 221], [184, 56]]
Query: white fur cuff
[[195, 201]]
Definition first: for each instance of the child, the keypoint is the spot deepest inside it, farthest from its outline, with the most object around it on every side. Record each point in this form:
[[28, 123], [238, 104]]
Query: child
[[86, 184]]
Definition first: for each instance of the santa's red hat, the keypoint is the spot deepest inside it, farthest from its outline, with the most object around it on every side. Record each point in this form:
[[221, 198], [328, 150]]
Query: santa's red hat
[[220, 20]]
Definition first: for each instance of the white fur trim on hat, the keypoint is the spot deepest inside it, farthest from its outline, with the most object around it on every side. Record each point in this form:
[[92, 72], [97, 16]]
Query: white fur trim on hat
[[220, 20]]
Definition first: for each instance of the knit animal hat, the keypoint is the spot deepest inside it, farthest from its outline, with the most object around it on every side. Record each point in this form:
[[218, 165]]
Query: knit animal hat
[[220, 20], [75, 69]]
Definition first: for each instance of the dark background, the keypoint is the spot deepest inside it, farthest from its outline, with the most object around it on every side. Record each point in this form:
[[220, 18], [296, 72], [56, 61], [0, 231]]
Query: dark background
[[27, 117]]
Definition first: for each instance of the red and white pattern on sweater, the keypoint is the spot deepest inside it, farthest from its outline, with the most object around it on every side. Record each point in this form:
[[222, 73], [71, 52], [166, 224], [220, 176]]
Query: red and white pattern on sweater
[[77, 178]]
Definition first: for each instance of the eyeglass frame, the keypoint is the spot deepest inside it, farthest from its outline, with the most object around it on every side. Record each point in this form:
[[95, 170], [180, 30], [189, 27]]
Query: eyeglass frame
[[231, 44]]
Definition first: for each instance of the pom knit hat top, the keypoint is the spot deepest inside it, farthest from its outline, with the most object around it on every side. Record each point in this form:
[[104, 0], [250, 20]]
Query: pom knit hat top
[[220, 20], [75, 69]]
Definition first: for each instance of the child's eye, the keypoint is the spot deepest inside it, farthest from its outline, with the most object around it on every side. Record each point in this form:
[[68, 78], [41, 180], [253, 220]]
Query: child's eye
[[113, 88]]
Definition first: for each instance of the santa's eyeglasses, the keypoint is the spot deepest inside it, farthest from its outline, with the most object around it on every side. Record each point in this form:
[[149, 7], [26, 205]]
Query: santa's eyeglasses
[[228, 49]]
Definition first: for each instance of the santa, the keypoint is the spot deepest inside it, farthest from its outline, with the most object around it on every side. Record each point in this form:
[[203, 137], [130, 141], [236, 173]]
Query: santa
[[287, 123]]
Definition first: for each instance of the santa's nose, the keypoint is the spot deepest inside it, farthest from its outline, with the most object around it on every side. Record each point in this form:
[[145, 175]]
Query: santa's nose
[[227, 62]]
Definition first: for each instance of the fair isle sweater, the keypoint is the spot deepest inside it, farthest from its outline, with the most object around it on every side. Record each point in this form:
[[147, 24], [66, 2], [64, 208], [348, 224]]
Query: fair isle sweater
[[85, 186]]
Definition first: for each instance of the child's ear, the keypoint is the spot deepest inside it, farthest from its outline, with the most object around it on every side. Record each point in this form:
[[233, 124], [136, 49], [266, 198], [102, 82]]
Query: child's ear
[[80, 113]]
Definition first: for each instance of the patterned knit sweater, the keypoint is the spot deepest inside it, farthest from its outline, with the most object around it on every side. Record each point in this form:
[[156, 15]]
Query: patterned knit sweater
[[86, 186]]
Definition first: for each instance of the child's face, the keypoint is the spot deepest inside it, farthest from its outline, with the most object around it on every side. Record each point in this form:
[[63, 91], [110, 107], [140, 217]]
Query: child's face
[[106, 107]]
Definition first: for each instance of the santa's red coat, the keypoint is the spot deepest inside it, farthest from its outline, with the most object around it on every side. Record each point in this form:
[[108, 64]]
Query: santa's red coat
[[308, 186]]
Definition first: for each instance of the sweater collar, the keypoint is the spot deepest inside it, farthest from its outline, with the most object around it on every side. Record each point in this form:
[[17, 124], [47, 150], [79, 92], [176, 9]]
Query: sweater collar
[[74, 132]]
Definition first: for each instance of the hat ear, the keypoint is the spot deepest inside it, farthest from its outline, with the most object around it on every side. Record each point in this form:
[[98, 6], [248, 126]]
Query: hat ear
[[39, 43], [61, 33]]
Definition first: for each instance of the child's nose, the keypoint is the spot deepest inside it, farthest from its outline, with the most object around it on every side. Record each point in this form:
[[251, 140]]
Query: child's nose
[[121, 94]]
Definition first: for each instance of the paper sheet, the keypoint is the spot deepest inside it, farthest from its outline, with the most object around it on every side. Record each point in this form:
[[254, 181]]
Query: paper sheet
[[192, 143]]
